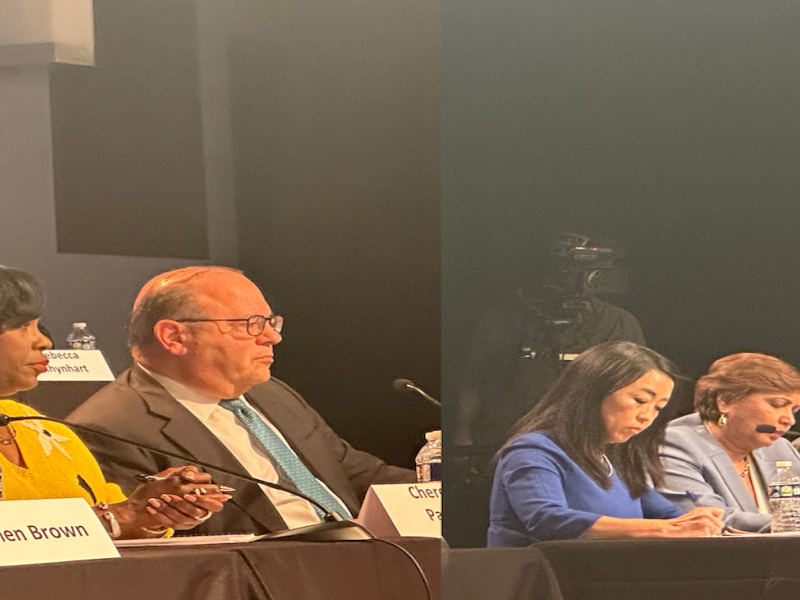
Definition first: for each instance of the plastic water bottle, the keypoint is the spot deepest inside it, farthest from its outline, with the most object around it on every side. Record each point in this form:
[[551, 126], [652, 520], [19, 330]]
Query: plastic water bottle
[[784, 497], [429, 458], [81, 338]]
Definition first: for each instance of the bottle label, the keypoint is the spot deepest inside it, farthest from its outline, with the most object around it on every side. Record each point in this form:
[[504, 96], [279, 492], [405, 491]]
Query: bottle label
[[423, 473], [430, 471], [784, 491]]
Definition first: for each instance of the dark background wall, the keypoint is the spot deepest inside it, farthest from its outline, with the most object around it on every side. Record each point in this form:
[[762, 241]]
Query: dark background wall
[[335, 109], [673, 128], [128, 140], [335, 145]]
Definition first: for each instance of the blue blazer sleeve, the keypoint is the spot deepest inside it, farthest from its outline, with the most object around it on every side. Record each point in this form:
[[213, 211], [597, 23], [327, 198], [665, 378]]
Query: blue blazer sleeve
[[539, 493], [656, 506], [533, 482]]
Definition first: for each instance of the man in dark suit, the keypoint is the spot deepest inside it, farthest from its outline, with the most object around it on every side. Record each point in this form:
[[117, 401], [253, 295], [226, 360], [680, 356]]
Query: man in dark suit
[[203, 341]]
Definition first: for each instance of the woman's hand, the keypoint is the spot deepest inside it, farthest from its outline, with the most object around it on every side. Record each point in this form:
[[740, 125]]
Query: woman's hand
[[181, 498], [705, 521], [700, 522]]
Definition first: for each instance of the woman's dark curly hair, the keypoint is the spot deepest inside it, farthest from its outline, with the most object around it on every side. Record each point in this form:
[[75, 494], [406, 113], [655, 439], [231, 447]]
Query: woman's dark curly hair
[[21, 298]]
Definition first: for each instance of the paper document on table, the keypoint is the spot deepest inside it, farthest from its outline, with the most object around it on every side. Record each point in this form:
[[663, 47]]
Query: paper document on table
[[188, 540]]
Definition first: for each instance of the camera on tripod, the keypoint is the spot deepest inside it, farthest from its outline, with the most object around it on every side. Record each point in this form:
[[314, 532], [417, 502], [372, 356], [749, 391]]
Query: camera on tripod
[[580, 268], [587, 266]]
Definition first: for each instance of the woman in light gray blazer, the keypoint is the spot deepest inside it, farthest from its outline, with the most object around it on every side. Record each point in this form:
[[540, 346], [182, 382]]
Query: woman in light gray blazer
[[716, 456]]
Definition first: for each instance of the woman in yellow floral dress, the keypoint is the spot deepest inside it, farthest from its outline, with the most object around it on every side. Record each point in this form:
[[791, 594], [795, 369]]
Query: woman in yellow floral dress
[[43, 459]]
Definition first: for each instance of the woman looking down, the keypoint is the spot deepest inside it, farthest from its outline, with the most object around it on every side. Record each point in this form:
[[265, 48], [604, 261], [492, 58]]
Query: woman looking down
[[579, 464]]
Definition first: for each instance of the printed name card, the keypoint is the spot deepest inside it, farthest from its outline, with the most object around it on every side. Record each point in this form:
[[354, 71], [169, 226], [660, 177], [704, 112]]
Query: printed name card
[[405, 509], [45, 531], [76, 365]]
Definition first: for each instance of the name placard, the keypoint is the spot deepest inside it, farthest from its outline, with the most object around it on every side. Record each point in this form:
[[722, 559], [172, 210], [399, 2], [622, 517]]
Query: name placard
[[405, 509], [76, 365], [45, 531]]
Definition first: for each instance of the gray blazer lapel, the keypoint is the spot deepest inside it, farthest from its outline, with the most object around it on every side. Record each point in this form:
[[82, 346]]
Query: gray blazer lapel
[[726, 473], [765, 466], [733, 482]]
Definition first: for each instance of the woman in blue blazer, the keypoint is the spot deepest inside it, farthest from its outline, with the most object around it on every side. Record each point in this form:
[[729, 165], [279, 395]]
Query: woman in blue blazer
[[716, 456], [578, 464]]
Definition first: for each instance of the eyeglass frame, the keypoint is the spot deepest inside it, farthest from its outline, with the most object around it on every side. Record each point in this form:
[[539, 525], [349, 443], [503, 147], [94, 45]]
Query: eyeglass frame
[[275, 322]]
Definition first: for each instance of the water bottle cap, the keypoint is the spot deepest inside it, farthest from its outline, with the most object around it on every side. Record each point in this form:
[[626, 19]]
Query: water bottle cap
[[79, 325], [783, 463], [433, 435]]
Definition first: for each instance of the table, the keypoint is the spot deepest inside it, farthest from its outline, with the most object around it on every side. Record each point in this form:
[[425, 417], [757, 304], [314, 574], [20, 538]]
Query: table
[[746, 568], [270, 570]]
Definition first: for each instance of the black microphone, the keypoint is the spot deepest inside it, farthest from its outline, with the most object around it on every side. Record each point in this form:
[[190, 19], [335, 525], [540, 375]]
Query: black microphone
[[764, 428], [405, 385], [334, 527]]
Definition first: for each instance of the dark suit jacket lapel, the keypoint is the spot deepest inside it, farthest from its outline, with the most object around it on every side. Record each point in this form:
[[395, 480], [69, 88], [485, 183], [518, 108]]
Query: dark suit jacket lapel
[[186, 432], [296, 432]]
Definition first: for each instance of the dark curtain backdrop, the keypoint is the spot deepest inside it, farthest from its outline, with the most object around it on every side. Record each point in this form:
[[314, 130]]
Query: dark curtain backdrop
[[673, 128]]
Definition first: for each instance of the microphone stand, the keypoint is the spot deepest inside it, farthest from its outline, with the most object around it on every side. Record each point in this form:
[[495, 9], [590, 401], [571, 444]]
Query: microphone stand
[[406, 385], [333, 528]]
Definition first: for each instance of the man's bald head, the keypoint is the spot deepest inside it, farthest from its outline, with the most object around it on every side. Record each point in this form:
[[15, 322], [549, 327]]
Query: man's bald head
[[170, 295], [191, 325]]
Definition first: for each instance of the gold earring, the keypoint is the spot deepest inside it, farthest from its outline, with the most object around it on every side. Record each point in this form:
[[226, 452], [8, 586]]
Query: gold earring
[[723, 418]]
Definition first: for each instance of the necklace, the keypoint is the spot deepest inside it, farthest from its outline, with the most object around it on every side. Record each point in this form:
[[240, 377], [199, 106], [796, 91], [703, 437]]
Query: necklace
[[608, 465], [745, 474], [746, 471], [9, 441]]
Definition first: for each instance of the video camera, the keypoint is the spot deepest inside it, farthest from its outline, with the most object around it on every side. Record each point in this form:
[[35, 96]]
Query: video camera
[[586, 266], [580, 268]]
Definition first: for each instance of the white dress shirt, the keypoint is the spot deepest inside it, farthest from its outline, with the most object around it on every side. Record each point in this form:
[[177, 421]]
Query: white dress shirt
[[295, 511]]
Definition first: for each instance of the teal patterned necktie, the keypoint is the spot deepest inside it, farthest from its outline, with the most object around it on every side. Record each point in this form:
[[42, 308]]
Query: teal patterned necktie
[[286, 460]]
